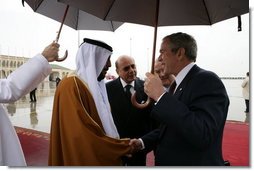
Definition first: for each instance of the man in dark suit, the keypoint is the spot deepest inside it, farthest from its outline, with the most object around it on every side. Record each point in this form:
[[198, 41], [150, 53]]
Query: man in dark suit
[[130, 121], [192, 116]]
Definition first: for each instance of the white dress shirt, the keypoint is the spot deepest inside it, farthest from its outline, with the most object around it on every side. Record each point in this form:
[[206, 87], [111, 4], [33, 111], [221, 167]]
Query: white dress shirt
[[124, 84], [180, 76]]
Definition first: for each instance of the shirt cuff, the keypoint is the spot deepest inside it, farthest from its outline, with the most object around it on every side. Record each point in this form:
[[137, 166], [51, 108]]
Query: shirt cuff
[[45, 63], [142, 143], [160, 98]]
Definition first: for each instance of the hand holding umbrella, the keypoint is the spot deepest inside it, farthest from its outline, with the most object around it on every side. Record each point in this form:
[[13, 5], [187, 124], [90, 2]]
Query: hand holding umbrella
[[72, 17], [51, 52], [153, 86], [133, 97]]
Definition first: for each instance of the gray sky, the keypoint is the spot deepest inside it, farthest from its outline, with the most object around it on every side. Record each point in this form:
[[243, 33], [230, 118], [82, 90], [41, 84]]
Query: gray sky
[[221, 48]]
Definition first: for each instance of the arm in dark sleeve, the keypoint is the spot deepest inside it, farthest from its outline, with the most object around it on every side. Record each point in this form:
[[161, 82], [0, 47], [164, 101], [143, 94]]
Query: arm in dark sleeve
[[199, 114]]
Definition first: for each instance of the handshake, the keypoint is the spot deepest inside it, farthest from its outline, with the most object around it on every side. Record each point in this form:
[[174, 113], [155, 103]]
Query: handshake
[[135, 145]]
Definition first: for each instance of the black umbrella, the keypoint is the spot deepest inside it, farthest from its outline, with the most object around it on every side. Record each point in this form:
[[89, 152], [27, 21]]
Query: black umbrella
[[163, 12], [70, 16]]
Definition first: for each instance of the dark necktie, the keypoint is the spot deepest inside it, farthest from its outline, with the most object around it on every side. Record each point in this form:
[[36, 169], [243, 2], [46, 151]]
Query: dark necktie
[[172, 88], [127, 91]]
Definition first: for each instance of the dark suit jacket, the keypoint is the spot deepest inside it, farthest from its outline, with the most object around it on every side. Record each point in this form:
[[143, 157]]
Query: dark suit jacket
[[192, 120], [130, 121]]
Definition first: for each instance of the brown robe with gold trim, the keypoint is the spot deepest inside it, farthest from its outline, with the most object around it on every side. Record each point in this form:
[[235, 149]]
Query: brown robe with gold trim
[[77, 137]]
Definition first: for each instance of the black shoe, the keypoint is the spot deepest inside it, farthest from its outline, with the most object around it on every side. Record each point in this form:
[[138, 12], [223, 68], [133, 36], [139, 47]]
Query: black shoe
[[226, 163]]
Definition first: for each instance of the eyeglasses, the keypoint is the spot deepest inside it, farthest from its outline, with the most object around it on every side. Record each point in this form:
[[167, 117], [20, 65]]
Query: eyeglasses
[[127, 68]]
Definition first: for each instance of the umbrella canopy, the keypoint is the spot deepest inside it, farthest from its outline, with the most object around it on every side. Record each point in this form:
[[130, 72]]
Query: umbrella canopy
[[75, 18], [70, 16], [166, 12], [163, 13]]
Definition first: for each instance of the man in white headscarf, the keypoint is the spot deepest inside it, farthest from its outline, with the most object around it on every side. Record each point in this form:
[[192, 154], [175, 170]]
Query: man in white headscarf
[[83, 132], [16, 85]]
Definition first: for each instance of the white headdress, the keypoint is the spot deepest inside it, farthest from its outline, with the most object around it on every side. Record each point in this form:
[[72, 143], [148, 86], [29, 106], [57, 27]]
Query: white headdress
[[90, 60]]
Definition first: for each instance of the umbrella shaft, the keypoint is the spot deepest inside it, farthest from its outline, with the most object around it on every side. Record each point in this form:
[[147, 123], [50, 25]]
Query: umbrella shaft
[[60, 29], [155, 34]]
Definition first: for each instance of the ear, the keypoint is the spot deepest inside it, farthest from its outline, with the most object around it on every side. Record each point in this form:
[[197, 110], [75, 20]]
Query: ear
[[117, 71], [180, 53]]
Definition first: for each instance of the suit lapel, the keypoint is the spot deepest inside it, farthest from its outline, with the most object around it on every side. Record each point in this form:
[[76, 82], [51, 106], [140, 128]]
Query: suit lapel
[[120, 90], [185, 81], [138, 87], [180, 90], [122, 105]]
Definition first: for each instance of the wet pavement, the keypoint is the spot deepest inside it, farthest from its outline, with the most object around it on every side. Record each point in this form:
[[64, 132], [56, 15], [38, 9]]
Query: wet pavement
[[34, 115], [37, 115]]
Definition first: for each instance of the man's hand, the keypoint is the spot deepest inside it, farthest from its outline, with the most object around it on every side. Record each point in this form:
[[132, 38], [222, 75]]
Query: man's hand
[[136, 145], [153, 86], [51, 52]]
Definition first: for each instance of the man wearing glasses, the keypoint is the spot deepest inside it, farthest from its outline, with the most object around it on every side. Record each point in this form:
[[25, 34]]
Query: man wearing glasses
[[130, 121]]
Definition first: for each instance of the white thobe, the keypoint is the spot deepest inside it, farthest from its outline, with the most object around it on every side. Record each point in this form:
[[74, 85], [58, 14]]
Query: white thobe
[[18, 83]]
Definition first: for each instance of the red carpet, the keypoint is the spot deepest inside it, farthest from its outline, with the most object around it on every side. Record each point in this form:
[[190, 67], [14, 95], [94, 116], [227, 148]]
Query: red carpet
[[235, 145], [35, 146]]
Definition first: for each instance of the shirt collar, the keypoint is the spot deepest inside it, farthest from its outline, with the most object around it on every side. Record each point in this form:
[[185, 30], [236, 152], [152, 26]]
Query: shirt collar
[[181, 75], [124, 83]]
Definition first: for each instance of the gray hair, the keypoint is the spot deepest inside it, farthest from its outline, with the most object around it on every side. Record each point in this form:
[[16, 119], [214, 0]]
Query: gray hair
[[183, 40]]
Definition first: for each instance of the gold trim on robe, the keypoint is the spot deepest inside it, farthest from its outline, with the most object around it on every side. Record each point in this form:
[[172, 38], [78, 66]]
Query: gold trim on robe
[[77, 137]]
